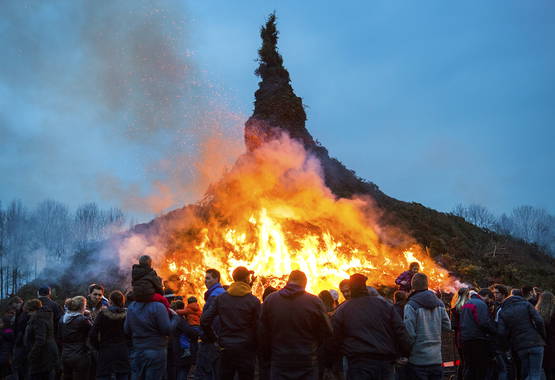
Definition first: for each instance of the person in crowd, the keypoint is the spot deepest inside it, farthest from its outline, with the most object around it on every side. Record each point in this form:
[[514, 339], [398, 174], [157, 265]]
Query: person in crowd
[[399, 301], [97, 301], [477, 331], [503, 359], [42, 358], [148, 324], [192, 314], [500, 293], [405, 278], [147, 286], [7, 339], [108, 338], [208, 355], [327, 299], [335, 296], [345, 289], [529, 295], [293, 325], [546, 308], [239, 311], [516, 292], [263, 361], [425, 318], [458, 302], [73, 330], [44, 294], [370, 333], [267, 291], [179, 364], [19, 362], [523, 326]]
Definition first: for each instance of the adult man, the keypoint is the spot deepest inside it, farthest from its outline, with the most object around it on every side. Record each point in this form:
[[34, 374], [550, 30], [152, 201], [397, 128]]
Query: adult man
[[294, 323], [504, 366], [238, 311], [44, 295], [477, 334], [208, 354], [345, 289], [370, 333], [148, 324], [97, 301], [425, 318], [405, 278], [529, 294]]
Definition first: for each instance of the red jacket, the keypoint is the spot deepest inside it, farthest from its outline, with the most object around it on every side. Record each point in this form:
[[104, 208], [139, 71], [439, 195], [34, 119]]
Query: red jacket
[[192, 312]]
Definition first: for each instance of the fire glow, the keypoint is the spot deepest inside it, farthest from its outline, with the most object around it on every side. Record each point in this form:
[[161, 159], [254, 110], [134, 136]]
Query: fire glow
[[273, 213]]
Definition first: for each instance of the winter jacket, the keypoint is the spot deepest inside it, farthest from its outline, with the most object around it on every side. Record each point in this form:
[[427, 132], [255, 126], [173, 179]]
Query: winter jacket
[[7, 339], [179, 327], [56, 310], [192, 312], [39, 342], [521, 323], [475, 323], [74, 331], [293, 324], [148, 325], [425, 318], [145, 283], [370, 327], [406, 277], [108, 338], [238, 311], [20, 352], [209, 297], [96, 309], [549, 351]]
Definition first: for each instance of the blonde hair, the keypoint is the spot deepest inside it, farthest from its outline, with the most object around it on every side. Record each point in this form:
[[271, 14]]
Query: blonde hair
[[546, 306], [76, 303], [460, 299]]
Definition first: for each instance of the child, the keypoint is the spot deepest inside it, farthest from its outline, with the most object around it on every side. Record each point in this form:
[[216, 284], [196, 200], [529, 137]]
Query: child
[[192, 313], [147, 286]]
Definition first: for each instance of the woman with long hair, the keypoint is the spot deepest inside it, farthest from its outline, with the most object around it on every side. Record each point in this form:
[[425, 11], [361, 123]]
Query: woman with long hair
[[546, 308], [458, 302]]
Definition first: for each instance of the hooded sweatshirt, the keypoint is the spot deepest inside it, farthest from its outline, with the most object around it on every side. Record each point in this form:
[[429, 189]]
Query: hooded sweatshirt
[[425, 318], [238, 311]]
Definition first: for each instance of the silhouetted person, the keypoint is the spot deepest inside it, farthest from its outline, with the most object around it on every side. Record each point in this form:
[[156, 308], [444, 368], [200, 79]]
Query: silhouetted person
[[239, 312], [45, 296], [181, 358], [327, 300], [345, 289], [399, 301], [19, 352], [294, 323], [404, 280], [546, 308], [529, 294]]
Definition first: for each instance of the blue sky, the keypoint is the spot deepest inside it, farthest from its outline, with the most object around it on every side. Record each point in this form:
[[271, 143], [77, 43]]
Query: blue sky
[[436, 102]]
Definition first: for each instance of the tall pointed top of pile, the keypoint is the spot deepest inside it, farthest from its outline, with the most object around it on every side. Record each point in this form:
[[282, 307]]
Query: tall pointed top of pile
[[276, 107]]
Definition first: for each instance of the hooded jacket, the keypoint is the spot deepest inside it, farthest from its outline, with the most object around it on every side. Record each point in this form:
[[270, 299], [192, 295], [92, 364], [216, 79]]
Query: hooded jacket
[[475, 321], [368, 326], [192, 312], [74, 330], [521, 323], [40, 343], [108, 327], [294, 323], [425, 318], [238, 311], [145, 282], [148, 325]]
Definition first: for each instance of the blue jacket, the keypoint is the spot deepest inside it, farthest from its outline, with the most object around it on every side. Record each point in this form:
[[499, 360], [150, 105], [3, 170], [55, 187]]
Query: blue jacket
[[475, 322], [521, 323], [209, 297], [148, 324]]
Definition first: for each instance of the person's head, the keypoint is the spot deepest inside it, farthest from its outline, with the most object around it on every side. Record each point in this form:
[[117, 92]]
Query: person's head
[[400, 297], [335, 296], [546, 306], [32, 306], [96, 292], [460, 299], [345, 288], [211, 278], [327, 300], [527, 292], [500, 292], [44, 291], [145, 261], [414, 267], [178, 305], [76, 304], [117, 298], [297, 277], [357, 283], [269, 290], [487, 295], [419, 281], [192, 300], [241, 274], [516, 292], [15, 303]]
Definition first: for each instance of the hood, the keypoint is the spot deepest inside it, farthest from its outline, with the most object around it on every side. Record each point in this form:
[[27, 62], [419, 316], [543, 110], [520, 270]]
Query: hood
[[239, 289], [291, 290], [115, 313], [215, 290], [426, 299], [139, 271], [70, 316]]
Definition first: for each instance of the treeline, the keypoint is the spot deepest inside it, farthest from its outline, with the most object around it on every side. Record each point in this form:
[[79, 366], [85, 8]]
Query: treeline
[[47, 236], [531, 224]]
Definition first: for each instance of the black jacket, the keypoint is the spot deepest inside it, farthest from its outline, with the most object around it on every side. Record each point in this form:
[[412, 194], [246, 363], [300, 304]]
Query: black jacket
[[56, 310], [108, 327], [6, 345], [74, 332], [39, 342], [521, 323], [145, 283], [293, 325], [239, 312], [549, 353], [370, 327]]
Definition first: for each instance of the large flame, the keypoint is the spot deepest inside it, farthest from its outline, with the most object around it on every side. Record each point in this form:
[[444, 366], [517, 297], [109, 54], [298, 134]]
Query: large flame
[[273, 213]]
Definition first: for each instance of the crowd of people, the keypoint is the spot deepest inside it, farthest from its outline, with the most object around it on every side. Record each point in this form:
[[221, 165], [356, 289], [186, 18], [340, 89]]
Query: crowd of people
[[288, 334]]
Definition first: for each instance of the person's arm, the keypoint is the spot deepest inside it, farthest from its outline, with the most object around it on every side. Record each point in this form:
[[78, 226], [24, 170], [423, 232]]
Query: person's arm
[[400, 333], [538, 321], [325, 329], [206, 320], [484, 320], [410, 323], [162, 318]]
